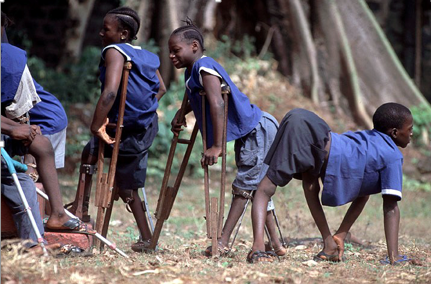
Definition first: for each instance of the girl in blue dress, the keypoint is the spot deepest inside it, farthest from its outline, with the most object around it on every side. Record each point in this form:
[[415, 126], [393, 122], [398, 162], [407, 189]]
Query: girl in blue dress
[[144, 89], [252, 129]]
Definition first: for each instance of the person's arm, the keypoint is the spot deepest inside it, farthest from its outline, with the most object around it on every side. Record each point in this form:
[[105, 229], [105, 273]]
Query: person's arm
[[212, 87], [162, 87], [391, 215], [114, 61], [19, 131], [177, 126]]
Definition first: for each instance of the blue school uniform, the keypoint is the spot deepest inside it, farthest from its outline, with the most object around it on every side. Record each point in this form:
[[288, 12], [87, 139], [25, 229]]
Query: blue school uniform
[[13, 63], [142, 87], [361, 163], [140, 117], [49, 114], [242, 115]]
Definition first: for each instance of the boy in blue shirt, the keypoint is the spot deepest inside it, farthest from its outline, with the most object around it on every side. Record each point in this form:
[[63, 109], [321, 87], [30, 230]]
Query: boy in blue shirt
[[352, 166], [252, 129]]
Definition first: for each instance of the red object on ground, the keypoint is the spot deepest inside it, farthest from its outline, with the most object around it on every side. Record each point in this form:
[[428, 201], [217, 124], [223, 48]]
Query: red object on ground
[[8, 229]]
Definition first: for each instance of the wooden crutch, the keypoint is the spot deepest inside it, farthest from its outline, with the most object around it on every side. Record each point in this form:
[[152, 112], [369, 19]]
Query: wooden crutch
[[168, 193], [214, 218], [106, 190]]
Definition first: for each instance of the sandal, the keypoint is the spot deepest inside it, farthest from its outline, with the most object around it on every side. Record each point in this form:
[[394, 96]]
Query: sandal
[[142, 246], [32, 171], [72, 225], [403, 258], [260, 256], [323, 256]]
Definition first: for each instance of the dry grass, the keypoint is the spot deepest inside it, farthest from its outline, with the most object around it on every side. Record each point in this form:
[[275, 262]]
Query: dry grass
[[181, 260]]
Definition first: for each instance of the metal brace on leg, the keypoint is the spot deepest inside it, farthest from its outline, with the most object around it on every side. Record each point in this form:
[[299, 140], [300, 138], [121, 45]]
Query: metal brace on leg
[[127, 197], [244, 194], [271, 208], [87, 171], [82, 199]]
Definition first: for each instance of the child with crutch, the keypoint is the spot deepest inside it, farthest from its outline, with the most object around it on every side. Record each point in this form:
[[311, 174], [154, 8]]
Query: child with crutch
[[252, 129], [144, 88], [352, 166]]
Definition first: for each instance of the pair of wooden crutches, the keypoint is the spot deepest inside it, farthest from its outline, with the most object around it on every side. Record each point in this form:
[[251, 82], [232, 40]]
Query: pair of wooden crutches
[[106, 190], [214, 209]]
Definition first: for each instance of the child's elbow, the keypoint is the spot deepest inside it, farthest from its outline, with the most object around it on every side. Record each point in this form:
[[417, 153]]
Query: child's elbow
[[390, 203]]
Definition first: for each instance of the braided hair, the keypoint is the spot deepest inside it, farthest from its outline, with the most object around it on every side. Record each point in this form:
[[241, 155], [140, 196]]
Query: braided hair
[[390, 115], [127, 19], [190, 32]]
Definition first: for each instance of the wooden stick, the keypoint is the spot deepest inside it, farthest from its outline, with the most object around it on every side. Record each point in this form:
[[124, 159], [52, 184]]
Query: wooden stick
[[167, 193], [105, 194], [206, 174]]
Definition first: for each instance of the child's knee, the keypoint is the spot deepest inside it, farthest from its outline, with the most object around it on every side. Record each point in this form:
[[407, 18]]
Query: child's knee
[[41, 146], [126, 195]]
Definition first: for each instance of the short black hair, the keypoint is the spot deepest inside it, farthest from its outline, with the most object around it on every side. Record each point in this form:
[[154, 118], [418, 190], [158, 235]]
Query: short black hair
[[127, 19], [390, 115], [190, 32]]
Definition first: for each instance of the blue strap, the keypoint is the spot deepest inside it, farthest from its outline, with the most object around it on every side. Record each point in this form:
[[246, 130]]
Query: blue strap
[[12, 165], [402, 259]]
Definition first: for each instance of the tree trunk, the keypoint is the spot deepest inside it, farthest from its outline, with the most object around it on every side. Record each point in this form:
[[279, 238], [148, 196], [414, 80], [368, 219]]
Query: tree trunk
[[79, 12], [145, 10]]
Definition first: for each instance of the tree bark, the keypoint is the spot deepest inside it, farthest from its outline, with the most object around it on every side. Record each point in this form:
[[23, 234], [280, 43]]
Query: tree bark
[[79, 12]]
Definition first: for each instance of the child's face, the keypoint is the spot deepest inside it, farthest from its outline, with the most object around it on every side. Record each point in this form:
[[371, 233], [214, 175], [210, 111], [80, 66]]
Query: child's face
[[402, 136], [110, 33], [181, 53]]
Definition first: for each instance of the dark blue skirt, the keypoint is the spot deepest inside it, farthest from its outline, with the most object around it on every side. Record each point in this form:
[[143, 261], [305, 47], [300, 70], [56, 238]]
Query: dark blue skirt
[[298, 147]]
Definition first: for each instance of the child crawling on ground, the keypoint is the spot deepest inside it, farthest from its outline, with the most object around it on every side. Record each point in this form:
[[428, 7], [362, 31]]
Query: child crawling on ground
[[352, 166]]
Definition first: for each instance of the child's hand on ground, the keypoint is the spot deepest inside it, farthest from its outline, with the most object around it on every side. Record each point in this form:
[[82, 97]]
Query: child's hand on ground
[[101, 133], [177, 126], [210, 156]]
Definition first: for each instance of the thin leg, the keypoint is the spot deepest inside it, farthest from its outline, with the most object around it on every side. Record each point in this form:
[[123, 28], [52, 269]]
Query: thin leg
[[235, 212], [42, 150], [265, 191]]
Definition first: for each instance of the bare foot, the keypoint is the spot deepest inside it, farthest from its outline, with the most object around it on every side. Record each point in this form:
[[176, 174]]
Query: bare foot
[[280, 251], [340, 246], [62, 223]]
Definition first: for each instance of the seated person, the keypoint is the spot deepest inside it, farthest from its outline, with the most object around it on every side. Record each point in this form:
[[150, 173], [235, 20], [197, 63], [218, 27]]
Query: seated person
[[352, 166], [18, 96], [46, 111], [21, 139], [12, 198]]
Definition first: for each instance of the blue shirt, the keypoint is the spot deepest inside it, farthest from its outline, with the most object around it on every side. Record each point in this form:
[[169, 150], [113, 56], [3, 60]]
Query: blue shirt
[[361, 163], [142, 87], [242, 115], [13, 62], [49, 114]]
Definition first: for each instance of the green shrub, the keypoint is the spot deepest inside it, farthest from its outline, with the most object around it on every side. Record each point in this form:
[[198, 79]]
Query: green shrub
[[76, 83], [422, 125]]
